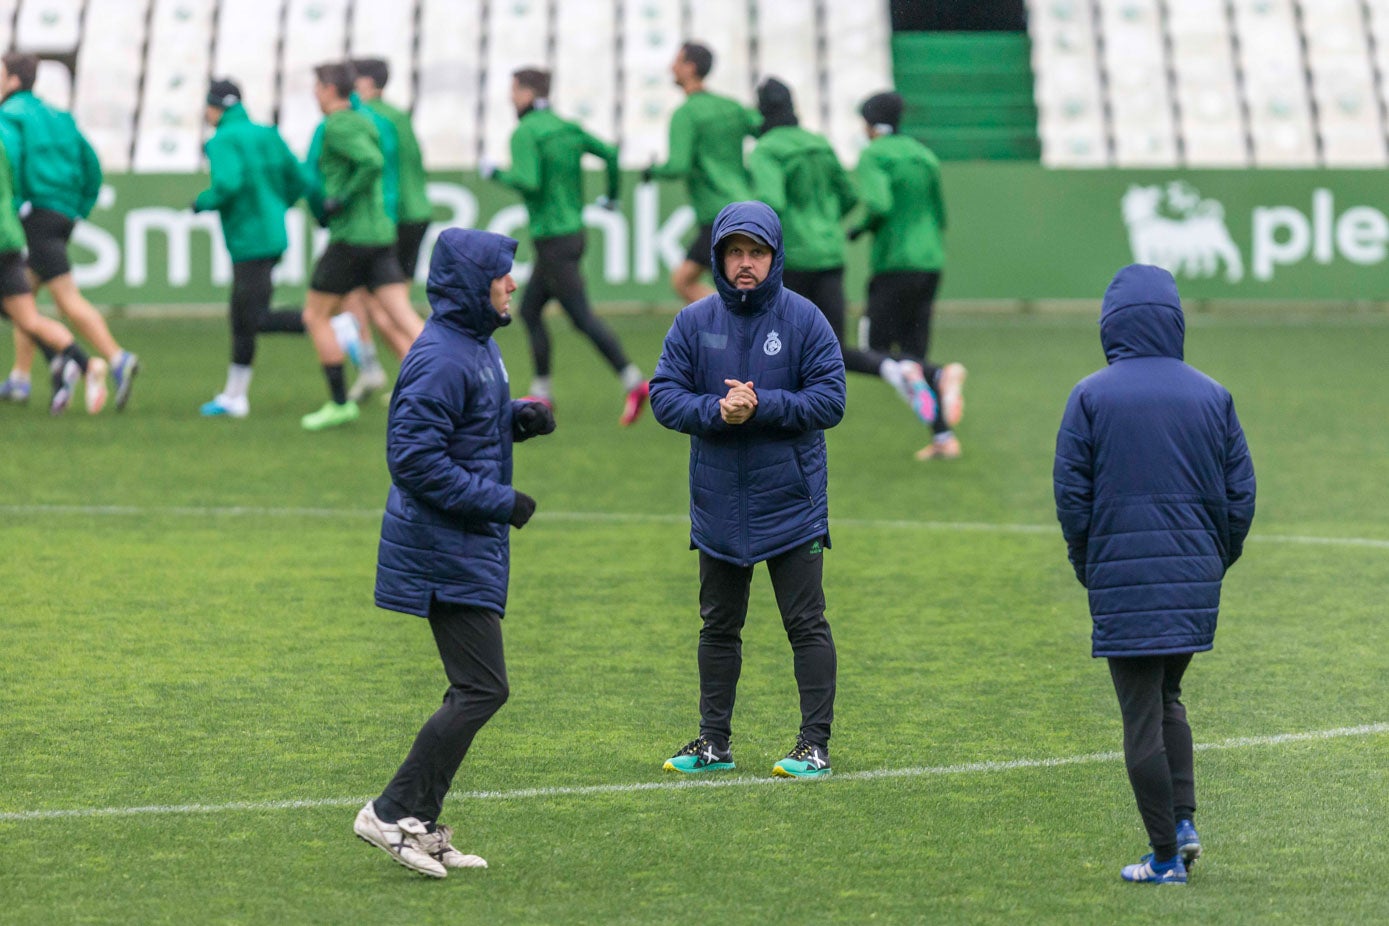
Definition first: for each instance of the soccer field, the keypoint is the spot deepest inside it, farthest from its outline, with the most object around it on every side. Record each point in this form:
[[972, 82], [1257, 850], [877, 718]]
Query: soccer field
[[198, 692]]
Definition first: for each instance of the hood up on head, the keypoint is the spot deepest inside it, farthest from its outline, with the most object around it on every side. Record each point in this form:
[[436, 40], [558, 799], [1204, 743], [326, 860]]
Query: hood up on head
[[1142, 315], [756, 220], [775, 105], [461, 271]]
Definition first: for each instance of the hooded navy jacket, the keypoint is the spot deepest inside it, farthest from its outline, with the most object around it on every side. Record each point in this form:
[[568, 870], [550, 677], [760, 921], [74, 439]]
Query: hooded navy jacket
[[445, 534], [1154, 485], [759, 488]]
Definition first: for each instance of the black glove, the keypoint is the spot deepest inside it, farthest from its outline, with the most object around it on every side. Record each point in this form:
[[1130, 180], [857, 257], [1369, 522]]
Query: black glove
[[332, 206], [856, 233], [531, 419], [646, 175], [523, 509], [194, 206]]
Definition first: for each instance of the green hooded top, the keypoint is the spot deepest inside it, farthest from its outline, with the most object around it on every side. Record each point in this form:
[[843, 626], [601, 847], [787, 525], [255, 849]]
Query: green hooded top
[[546, 169], [255, 178], [414, 201], [899, 183], [58, 169], [11, 231], [706, 148], [390, 170], [346, 163], [797, 173]]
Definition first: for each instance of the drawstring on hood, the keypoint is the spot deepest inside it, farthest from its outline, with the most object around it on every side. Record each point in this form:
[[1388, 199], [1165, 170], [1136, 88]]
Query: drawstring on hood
[[1141, 315], [756, 220], [461, 271]]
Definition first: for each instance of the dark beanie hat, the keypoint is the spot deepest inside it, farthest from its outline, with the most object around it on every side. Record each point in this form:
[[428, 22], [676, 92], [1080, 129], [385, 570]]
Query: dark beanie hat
[[223, 94], [883, 109], [774, 102]]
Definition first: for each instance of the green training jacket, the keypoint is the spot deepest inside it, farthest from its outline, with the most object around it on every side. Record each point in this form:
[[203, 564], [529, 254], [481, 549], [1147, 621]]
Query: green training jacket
[[706, 150], [413, 200], [390, 169], [546, 169], [346, 163], [57, 169], [899, 184], [255, 178], [11, 231], [796, 172]]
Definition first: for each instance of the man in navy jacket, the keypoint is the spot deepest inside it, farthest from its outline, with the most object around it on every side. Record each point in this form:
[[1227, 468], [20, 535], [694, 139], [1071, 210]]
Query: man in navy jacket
[[754, 375], [1155, 494], [445, 537]]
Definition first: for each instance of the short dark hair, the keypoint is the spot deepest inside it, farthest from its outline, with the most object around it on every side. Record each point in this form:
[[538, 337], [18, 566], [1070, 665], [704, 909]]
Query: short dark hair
[[24, 66], [376, 69], [338, 75], [700, 56], [533, 79]]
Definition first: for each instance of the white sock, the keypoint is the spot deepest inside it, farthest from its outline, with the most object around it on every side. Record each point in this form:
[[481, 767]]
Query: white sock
[[238, 381], [19, 376], [891, 372], [631, 377], [540, 387]]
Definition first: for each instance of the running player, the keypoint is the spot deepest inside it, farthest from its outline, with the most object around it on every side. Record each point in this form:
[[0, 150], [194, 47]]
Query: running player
[[546, 169], [706, 151], [57, 173], [796, 172], [899, 182], [255, 178]]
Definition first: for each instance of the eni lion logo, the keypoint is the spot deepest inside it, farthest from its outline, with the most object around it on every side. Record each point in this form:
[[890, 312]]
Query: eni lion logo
[[1172, 227]]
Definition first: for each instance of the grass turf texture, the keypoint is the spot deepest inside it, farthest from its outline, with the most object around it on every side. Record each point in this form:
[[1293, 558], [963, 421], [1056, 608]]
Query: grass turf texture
[[161, 655]]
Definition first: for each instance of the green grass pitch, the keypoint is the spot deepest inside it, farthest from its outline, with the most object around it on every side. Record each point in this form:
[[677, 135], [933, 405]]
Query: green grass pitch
[[188, 627]]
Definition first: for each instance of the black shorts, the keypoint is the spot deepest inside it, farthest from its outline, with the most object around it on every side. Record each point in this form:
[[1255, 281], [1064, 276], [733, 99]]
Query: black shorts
[[48, 233], [699, 252], [344, 267], [13, 280], [408, 238]]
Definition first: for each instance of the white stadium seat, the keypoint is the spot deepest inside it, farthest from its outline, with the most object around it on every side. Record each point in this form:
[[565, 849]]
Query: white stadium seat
[[387, 30], [315, 32], [709, 25], [245, 29], [54, 84], [106, 92], [446, 107], [585, 71], [51, 26], [8, 8], [858, 63], [651, 36], [518, 35], [169, 135], [1067, 88], [1343, 84], [788, 49], [1211, 123]]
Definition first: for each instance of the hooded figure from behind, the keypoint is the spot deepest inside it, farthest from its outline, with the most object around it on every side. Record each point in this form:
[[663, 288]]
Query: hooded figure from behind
[[1154, 485]]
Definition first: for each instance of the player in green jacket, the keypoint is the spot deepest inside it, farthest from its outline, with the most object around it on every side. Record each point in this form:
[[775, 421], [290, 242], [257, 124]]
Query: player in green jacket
[[58, 175], [255, 178], [67, 362], [706, 151], [899, 183], [546, 169], [361, 235], [413, 210], [796, 172]]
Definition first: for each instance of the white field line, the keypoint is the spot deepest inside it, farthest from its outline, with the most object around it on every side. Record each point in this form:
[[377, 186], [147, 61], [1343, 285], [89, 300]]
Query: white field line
[[667, 784], [611, 517]]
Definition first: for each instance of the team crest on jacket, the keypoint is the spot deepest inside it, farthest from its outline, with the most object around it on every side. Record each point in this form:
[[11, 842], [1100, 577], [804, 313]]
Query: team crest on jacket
[[772, 346]]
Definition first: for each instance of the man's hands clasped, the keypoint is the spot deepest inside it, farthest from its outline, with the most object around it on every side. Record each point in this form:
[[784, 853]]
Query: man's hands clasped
[[740, 404]]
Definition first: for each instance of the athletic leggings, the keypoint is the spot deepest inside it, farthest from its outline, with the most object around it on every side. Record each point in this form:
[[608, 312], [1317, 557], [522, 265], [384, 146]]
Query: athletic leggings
[[825, 288], [1157, 743], [250, 309], [800, 596], [556, 276], [470, 645]]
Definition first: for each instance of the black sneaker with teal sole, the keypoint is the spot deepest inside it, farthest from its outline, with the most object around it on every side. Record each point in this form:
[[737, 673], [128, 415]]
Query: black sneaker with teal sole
[[700, 755], [806, 760]]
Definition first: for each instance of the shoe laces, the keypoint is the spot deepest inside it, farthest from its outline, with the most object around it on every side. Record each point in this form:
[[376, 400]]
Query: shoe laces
[[437, 842], [693, 747], [802, 749]]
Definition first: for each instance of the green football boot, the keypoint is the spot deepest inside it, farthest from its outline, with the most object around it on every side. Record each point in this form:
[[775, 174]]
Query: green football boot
[[700, 755], [331, 415], [806, 760]]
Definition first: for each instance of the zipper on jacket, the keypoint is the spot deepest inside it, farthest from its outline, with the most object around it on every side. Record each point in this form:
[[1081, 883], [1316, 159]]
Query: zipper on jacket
[[746, 545]]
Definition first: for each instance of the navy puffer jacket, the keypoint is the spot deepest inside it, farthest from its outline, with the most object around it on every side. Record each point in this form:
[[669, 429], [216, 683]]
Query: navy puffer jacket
[[760, 488], [445, 535], [1154, 485]]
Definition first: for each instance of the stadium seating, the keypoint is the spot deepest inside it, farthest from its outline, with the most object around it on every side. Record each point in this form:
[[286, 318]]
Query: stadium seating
[[169, 129], [1265, 83], [446, 104], [107, 89]]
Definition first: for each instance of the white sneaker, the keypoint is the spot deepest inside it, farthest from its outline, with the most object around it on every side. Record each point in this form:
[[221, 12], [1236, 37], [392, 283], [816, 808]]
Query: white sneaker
[[223, 405], [66, 374], [369, 381], [402, 841], [439, 845], [95, 390], [952, 395]]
